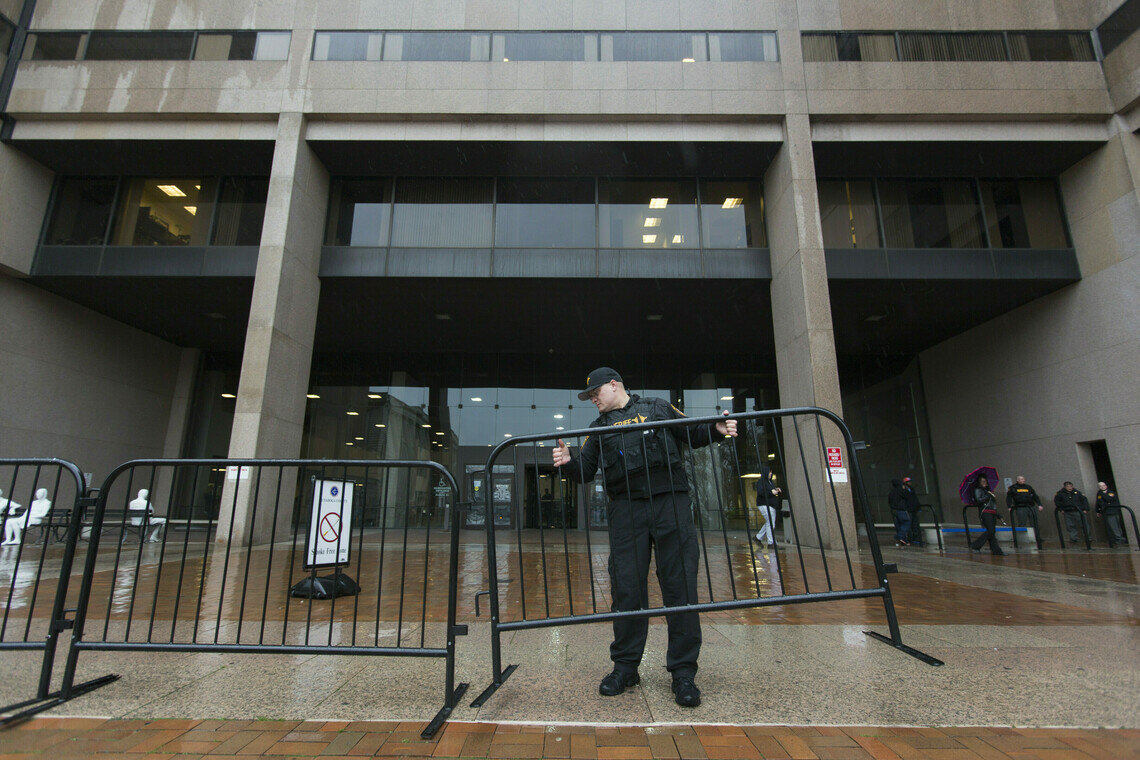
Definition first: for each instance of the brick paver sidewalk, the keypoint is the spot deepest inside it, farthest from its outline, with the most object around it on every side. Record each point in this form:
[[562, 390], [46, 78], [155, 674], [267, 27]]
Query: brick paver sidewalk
[[183, 739]]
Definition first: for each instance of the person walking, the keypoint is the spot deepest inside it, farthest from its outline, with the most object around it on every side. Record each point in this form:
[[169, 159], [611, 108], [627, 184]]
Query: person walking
[[1108, 507], [1020, 500], [649, 510], [1075, 506], [768, 502], [896, 500], [987, 506]]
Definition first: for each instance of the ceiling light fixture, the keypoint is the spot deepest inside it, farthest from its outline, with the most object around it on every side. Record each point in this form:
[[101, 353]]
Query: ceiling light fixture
[[426, 425], [380, 424], [374, 395], [559, 416], [476, 399], [174, 191], [353, 414], [192, 209], [658, 202], [731, 202], [311, 395], [652, 221], [228, 395], [678, 239], [688, 60], [647, 239]]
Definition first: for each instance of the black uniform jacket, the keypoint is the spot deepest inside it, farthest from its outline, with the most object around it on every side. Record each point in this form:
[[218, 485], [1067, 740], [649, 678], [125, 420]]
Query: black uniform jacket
[[1022, 495], [645, 462], [1071, 500], [1107, 501]]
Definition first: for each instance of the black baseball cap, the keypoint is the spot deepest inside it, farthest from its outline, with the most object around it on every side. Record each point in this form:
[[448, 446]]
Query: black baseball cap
[[597, 379]]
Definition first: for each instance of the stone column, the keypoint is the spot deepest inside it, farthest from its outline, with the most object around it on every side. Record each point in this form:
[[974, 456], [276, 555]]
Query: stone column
[[270, 409], [805, 341]]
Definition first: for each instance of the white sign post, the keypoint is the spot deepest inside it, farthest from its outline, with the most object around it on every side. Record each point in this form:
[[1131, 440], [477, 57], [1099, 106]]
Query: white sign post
[[330, 537], [835, 465]]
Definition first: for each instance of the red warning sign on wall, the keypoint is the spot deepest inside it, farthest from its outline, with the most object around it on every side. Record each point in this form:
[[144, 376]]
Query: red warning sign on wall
[[834, 456]]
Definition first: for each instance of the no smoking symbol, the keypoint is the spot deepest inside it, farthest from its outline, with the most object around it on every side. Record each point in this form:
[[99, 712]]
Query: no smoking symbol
[[330, 527]]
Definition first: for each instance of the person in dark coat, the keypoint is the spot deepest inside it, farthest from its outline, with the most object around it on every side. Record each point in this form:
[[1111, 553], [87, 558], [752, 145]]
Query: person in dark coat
[[987, 506], [1108, 507], [768, 502], [1020, 500], [1075, 506], [649, 510], [896, 500], [910, 503]]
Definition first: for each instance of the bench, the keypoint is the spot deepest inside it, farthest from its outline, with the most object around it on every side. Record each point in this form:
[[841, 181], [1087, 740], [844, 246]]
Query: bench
[[55, 525], [119, 518]]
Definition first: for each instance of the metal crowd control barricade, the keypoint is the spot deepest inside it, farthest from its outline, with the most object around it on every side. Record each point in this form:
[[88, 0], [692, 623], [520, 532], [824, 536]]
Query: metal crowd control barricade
[[1033, 523], [38, 496], [279, 533], [1062, 531], [555, 579], [934, 516], [1135, 527]]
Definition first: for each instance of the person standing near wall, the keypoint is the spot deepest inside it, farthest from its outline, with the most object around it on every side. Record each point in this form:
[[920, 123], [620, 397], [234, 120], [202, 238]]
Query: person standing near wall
[[896, 500], [1075, 506], [1020, 500], [987, 506], [910, 504], [767, 501], [649, 510], [1108, 506]]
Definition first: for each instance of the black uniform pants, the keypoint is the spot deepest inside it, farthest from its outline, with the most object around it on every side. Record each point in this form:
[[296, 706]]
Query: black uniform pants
[[1026, 517], [989, 522], [1074, 521], [1114, 525], [662, 524], [915, 528]]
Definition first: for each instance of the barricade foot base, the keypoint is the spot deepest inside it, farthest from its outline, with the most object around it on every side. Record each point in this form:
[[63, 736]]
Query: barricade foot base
[[904, 648], [51, 700], [482, 698], [444, 712]]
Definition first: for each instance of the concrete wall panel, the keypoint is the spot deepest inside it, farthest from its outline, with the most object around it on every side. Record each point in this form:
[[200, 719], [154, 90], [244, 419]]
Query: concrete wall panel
[[25, 187]]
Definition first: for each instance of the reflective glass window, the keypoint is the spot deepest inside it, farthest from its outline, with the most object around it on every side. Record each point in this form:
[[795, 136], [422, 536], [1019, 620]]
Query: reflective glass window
[[545, 213], [647, 214], [347, 46], [173, 211], [544, 46], [139, 46], [1051, 46], [931, 214], [849, 46], [54, 46], [241, 211], [359, 212], [654, 46], [437, 46], [1023, 214], [442, 212], [81, 211], [1119, 26], [732, 215], [743, 46], [847, 213], [242, 46]]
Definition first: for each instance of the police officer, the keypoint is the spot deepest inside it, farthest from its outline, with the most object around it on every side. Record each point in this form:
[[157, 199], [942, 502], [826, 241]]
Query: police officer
[[1108, 503], [1075, 506], [1020, 500], [649, 509]]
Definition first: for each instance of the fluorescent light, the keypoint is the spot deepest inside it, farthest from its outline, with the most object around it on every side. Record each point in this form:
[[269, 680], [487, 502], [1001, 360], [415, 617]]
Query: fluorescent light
[[426, 425], [439, 432], [359, 438], [506, 435], [374, 395], [731, 202], [348, 443], [771, 456], [172, 190], [648, 239], [353, 414], [380, 424], [652, 221], [678, 239], [726, 398], [192, 209], [228, 395], [311, 395], [559, 428], [688, 60], [559, 416], [476, 399], [658, 202], [197, 187]]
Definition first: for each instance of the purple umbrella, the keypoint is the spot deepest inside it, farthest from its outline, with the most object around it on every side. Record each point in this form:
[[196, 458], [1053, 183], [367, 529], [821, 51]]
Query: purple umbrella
[[966, 489]]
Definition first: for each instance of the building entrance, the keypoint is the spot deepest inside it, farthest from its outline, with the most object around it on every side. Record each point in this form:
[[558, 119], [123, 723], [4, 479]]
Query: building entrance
[[547, 501]]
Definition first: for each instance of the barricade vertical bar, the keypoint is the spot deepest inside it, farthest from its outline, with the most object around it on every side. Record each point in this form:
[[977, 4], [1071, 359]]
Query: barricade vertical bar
[[518, 536], [269, 561], [791, 512], [747, 526], [93, 544], [360, 553], [295, 522], [43, 554], [835, 500], [59, 605], [767, 511], [541, 531], [206, 553], [229, 550], [182, 563], [309, 534], [15, 571], [383, 541], [717, 486], [589, 545], [677, 520], [162, 552], [336, 556], [404, 559], [144, 526], [249, 553], [811, 499], [699, 513], [427, 561], [557, 486]]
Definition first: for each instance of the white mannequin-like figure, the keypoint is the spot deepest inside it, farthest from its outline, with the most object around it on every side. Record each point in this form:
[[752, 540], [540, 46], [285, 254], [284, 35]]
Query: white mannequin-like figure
[[14, 527], [140, 504]]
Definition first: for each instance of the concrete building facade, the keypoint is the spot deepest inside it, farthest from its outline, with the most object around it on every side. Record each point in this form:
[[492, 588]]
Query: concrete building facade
[[923, 215]]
